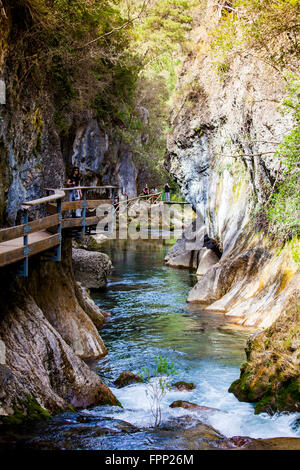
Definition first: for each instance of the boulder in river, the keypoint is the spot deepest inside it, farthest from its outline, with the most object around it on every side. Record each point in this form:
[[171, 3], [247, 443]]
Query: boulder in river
[[191, 406], [184, 386], [91, 268], [127, 378], [188, 259]]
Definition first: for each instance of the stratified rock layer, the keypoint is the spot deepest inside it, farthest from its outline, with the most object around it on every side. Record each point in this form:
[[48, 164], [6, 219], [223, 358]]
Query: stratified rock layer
[[44, 333], [222, 153]]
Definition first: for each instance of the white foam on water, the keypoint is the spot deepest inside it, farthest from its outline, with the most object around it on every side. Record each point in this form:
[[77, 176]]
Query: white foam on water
[[231, 418]]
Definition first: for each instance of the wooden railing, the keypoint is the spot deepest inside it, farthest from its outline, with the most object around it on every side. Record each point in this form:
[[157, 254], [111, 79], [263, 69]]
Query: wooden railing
[[11, 252], [84, 204], [22, 241], [125, 204]]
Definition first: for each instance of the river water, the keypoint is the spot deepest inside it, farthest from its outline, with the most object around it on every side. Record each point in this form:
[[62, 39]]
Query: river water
[[150, 317]]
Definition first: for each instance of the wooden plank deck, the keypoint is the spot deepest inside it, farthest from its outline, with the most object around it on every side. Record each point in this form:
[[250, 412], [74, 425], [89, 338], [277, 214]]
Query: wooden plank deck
[[45, 233], [13, 250]]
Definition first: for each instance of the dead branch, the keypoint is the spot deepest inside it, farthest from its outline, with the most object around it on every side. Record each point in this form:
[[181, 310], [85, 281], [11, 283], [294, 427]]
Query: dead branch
[[248, 154], [2, 9]]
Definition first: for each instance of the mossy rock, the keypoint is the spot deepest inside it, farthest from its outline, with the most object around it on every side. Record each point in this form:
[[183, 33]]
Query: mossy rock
[[287, 398], [271, 397], [127, 378], [184, 386], [26, 411]]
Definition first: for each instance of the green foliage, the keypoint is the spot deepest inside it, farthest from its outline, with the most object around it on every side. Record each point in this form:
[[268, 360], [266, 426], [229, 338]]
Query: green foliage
[[269, 28], [284, 209], [116, 57], [68, 45], [157, 380], [163, 27], [158, 38]]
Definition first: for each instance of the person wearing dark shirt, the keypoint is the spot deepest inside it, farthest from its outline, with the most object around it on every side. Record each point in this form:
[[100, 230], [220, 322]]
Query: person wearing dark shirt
[[75, 194], [167, 192]]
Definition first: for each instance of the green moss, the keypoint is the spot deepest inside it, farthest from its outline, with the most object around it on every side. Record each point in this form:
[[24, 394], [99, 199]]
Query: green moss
[[113, 402], [285, 399], [240, 387], [236, 188], [108, 399], [264, 405], [27, 410], [288, 394], [295, 248]]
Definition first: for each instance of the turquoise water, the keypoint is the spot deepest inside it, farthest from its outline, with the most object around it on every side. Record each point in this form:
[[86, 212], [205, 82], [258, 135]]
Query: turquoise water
[[150, 316]]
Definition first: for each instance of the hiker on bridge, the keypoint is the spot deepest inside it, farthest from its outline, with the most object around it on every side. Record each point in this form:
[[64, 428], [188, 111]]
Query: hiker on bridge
[[167, 192], [116, 202], [154, 195], [75, 194], [146, 190]]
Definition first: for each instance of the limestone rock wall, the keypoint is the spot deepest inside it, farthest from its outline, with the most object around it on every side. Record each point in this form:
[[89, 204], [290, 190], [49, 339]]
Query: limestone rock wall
[[221, 152], [103, 158], [46, 330], [225, 128]]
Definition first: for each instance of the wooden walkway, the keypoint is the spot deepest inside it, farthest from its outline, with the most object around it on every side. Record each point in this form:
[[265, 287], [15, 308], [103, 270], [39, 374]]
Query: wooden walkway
[[19, 243]]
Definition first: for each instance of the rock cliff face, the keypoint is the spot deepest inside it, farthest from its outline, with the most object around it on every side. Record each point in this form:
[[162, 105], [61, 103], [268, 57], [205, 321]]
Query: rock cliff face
[[104, 158], [36, 153], [217, 116], [45, 333], [48, 325]]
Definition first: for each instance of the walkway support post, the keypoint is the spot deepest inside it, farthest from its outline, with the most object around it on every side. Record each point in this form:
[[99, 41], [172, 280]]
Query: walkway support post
[[83, 214], [23, 271], [57, 257]]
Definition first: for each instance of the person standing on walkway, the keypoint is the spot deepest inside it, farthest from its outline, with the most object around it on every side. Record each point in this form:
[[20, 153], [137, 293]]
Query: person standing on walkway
[[75, 194], [154, 195], [167, 192]]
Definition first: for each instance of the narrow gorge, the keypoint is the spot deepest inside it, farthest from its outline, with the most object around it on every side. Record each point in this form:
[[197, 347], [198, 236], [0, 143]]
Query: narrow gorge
[[202, 95]]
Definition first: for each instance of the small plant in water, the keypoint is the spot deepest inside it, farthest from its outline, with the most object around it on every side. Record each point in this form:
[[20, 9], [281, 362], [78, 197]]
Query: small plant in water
[[157, 384]]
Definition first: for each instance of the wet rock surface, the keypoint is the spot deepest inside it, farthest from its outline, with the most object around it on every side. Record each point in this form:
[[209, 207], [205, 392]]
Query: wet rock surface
[[190, 406], [184, 386], [127, 378], [88, 433], [271, 376]]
